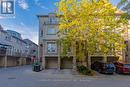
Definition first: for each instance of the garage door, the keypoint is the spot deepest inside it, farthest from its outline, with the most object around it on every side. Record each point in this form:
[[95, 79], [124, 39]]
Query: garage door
[[67, 63], [96, 58], [112, 58], [11, 61], [1, 61], [51, 63]]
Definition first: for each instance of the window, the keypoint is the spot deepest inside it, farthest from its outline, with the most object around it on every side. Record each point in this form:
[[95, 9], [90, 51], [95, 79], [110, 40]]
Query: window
[[51, 47], [8, 38], [126, 43], [51, 20], [41, 33], [69, 49], [51, 31]]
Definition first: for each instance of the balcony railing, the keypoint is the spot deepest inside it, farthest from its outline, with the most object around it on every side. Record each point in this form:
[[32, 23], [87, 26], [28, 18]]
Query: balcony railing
[[51, 22], [5, 52]]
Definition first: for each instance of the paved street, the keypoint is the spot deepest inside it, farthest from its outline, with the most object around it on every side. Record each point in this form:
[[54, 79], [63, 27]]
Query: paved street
[[24, 77]]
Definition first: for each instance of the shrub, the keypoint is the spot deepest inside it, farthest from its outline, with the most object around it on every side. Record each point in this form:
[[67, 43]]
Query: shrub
[[85, 71]]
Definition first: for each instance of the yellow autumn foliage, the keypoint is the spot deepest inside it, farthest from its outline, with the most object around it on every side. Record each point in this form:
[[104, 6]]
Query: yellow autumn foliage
[[92, 25]]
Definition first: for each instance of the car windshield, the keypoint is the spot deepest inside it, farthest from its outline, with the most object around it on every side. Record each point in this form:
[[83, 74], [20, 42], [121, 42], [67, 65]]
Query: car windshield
[[110, 65], [127, 65]]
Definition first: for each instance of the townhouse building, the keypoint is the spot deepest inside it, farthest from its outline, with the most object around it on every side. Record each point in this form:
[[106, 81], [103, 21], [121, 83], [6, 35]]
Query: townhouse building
[[49, 50], [13, 49]]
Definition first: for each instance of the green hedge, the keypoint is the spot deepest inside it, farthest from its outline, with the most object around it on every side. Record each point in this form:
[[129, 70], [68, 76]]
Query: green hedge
[[85, 71]]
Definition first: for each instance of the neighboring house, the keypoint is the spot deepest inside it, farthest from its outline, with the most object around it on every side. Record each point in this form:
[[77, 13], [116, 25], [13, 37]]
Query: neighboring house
[[32, 48], [15, 47], [49, 50], [14, 33], [18, 46]]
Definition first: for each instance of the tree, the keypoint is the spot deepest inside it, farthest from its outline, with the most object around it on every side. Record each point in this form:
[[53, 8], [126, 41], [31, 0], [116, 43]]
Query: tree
[[125, 6], [90, 27]]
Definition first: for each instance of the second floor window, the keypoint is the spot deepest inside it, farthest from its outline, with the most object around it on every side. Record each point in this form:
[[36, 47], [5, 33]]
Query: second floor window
[[51, 31], [51, 47]]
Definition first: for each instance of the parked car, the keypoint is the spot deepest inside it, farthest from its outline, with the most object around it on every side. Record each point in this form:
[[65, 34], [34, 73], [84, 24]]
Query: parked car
[[101, 67], [122, 68]]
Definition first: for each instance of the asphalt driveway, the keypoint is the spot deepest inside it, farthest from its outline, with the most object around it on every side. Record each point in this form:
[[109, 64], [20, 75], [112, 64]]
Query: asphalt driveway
[[24, 77]]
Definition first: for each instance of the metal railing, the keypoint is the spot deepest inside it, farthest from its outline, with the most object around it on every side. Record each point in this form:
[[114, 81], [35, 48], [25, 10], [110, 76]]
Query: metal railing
[[51, 22], [5, 52], [8, 52]]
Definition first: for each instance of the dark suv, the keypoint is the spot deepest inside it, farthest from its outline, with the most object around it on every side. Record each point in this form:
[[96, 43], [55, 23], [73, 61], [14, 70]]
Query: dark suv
[[101, 67]]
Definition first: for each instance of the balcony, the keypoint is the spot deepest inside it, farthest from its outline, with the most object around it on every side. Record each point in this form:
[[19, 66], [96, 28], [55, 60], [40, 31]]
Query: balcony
[[4, 52], [51, 22], [15, 54], [8, 52]]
